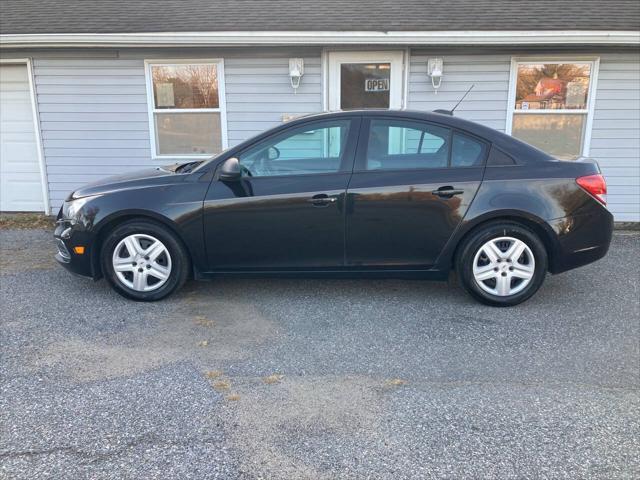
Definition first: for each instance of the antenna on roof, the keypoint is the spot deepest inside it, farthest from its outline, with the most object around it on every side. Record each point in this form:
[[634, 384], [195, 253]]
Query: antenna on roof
[[450, 112], [463, 97]]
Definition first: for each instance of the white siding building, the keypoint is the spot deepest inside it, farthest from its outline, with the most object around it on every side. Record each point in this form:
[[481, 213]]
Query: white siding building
[[80, 103]]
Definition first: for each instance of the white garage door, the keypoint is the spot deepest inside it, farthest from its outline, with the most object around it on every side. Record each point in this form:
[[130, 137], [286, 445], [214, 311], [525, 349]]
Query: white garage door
[[20, 179]]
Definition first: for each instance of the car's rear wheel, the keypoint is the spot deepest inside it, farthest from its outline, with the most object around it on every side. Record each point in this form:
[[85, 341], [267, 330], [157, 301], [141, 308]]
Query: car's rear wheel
[[144, 260], [502, 263]]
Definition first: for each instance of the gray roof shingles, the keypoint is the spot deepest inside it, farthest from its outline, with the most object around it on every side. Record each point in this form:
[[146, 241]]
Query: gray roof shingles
[[128, 16]]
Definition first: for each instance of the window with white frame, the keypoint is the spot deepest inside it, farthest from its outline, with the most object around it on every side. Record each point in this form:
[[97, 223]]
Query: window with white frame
[[186, 108], [551, 104]]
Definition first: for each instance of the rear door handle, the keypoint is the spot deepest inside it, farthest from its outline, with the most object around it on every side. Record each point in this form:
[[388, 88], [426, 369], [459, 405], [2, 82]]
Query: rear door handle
[[447, 192], [321, 200]]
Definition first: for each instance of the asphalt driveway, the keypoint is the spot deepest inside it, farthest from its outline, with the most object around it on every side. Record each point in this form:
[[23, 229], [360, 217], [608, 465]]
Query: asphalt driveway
[[317, 378]]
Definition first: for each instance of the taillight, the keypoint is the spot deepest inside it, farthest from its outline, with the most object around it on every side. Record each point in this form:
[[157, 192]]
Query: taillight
[[595, 186]]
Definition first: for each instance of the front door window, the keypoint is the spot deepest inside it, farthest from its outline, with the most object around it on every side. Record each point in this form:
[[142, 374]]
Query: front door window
[[312, 148], [364, 85]]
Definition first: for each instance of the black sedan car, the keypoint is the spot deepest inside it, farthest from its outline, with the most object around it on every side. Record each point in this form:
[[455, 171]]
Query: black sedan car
[[381, 193]]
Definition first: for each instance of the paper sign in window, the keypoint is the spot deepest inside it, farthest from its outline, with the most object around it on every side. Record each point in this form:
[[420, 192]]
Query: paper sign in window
[[165, 96]]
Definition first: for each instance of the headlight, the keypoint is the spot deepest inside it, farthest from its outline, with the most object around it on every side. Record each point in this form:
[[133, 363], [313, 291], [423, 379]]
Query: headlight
[[71, 208]]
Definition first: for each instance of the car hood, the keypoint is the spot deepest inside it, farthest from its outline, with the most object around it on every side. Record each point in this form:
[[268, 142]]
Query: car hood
[[136, 179]]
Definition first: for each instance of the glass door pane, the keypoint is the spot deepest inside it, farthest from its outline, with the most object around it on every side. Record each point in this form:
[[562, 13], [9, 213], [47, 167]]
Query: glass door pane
[[364, 85]]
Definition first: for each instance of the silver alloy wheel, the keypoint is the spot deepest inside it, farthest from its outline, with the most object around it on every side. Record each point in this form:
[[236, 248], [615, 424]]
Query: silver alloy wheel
[[141, 262], [504, 266]]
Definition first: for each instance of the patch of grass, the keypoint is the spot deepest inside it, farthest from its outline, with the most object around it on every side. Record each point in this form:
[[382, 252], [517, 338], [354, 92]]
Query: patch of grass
[[213, 374], [203, 321], [221, 385], [233, 398], [275, 378], [26, 221], [396, 382], [633, 226]]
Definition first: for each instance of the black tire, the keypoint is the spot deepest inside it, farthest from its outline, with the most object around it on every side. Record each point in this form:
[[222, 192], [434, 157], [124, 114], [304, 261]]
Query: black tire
[[479, 237], [180, 262]]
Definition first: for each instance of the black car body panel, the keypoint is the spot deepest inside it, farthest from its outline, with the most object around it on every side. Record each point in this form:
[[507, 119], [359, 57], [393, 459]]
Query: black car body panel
[[546, 196], [352, 221], [384, 211], [171, 199], [269, 224]]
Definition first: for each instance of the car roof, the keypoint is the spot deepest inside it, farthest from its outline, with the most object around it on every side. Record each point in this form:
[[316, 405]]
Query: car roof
[[434, 117]]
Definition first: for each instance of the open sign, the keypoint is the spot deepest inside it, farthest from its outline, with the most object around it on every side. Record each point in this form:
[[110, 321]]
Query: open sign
[[376, 85]]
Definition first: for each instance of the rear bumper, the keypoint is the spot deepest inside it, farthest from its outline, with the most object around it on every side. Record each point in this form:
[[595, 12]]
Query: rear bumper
[[582, 239]]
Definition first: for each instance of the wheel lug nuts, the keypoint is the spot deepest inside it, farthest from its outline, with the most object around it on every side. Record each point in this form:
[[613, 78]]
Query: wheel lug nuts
[[148, 267], [511, 268], [495, 269], [140, 270], [504, 274], [146, 258], [134, 264]]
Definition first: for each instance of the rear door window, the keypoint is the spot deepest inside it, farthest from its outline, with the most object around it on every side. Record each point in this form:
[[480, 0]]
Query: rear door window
[[404, 144], [467, 151]]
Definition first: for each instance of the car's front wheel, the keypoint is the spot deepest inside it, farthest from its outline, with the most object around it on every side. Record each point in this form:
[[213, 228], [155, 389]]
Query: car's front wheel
[[144, 260], [502, 264]]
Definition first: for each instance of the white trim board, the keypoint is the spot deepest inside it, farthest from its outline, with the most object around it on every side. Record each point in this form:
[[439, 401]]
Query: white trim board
[[470, 37], [36, 126]]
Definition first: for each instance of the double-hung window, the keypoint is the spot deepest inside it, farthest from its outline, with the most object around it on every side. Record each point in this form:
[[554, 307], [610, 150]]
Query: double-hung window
[[186, 108], [551, 104]]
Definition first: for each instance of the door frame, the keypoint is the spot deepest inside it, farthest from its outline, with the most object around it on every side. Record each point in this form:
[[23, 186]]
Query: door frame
[[333, 59], [36, 126]]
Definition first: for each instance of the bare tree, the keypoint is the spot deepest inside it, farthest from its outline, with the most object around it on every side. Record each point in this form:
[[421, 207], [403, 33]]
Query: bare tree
[[204, 80], [194, 86]]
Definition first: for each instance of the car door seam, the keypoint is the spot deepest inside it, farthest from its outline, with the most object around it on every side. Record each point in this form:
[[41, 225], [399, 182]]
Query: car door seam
[[461, 222], [345, 203]]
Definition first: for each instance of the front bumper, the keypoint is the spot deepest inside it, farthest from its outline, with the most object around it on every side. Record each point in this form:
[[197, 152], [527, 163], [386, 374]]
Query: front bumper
[[67, 238]]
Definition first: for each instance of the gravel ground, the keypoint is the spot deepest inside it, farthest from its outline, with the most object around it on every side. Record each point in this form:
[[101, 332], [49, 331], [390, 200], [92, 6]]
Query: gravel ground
[[317, 378]]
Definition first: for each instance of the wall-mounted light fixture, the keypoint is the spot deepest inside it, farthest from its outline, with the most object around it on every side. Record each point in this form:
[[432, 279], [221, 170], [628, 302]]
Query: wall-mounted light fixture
[[435, 71], [296, 70]]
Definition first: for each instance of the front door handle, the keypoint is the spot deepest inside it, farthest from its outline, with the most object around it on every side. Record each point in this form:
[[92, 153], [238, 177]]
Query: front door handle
[[447, 192], [321, 200]]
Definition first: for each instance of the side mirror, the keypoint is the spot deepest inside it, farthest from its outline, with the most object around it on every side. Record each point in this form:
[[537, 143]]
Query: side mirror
[[230, 170], [273, 153]]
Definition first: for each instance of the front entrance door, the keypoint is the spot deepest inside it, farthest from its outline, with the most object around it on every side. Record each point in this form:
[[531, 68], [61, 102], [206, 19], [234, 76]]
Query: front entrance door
[[359, 80]]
